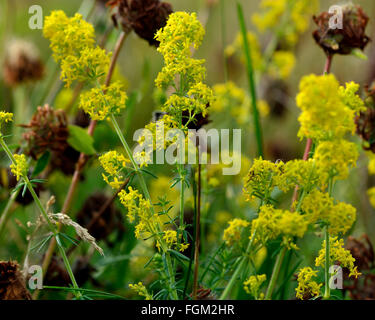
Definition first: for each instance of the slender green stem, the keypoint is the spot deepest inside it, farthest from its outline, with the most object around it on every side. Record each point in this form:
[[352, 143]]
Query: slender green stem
[[43, 211], [327, 265], [147, 196], [237, 272], [7, 211], [250, 75], [275, 273]]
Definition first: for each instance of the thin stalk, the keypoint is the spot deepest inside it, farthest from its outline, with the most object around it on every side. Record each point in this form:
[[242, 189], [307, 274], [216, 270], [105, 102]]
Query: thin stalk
[[327, 290], [275, 273], [197, 236], [238, 271], [43, 211], [250, 75], [7, 211], [147, 197]]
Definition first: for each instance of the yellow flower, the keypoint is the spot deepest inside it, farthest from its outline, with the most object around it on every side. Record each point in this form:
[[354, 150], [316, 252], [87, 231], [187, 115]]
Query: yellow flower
[[371, 195], [319, 206], [114, 165], [253, 284], [5, 117], [287, 17], [20, 167], [261, 179], [328, 110], [90, 65], [306, 286], [102, 102], [337, 253], [232, 234], [334, 158], [282, 64], [141, 290], [170, 237], [272, 223], [68, 36]]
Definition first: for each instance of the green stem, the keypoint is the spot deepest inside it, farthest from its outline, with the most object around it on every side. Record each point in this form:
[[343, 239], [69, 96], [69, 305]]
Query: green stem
[[44, 214], [275, 273], [223, 38], [238, 270], [250, 75], [147, 196], [327, 265]]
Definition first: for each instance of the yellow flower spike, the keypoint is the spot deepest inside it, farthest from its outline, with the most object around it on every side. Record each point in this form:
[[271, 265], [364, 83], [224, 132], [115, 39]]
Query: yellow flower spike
[[141, 290], [328, 110], [273, 223], [253, 284], [68, 36], [113, 164], [170, 237], [306, 286], [19, 169]]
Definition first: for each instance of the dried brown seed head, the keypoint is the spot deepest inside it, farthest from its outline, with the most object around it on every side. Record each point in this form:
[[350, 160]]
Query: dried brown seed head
[[22, 63], [12, 283], [342, 41], [145, 17]]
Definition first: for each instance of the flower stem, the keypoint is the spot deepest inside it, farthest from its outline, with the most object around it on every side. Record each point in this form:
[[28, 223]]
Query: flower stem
[[275, 273], [250, 75], [147, 197], [44, 213], [327, 265]]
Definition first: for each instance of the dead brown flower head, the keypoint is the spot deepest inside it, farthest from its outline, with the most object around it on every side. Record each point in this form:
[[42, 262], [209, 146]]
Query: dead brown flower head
[[12, 283], [145, 17], [365, 122], [22, 63], [342, 41], [48, 131]]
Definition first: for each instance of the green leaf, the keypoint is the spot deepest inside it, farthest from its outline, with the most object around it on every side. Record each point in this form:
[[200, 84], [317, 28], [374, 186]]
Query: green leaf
[[359, 54], [80, 140], [41, 163]]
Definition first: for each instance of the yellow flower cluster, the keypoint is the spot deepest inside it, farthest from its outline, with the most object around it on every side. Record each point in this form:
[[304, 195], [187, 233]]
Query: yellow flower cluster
[[141, 290], [232, 234], [272, 223], [307, 287], [149, 224], [338, 254], [333, 159], [20, 167], [280, 65], [371, 195], [261, 179], [114, 165], [328, 110], [318, 206], [72, 41], [289, 18], [256, 53], [102, 102], [253, 284], [182, 33], [5, 117], [231, 99]]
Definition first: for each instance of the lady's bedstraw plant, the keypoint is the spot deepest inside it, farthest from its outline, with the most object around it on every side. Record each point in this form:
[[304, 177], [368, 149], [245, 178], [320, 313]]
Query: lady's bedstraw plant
[[328, 112], [81, 60], [19, 167]]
